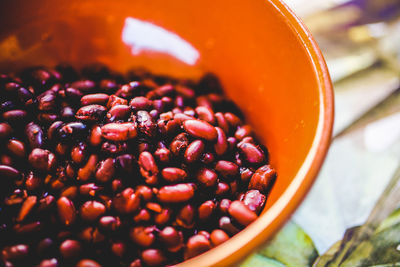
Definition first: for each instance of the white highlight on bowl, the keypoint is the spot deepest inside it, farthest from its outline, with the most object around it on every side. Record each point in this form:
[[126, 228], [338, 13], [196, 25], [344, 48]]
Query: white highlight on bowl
[[144, 36]]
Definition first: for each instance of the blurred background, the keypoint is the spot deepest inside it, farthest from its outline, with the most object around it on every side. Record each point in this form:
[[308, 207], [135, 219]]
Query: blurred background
[[360, 40]]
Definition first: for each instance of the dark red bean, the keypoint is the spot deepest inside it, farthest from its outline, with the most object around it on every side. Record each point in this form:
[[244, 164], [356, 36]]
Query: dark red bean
[[207, 177], [114, 100], [141, 103], [226, 225], [163, 155], [5, 130], [171, 238], [196, 245], [222, 122], [194, 151], [26, 208], [218, 237], [16, 252], [66, 211], [148, 168], [70, 249], [145, 124], [105, 170], [33, 182], [47, 101], [233, 120], [90, 99], [89, 189], [143, 236], [143, 216], [91, 210], [72, 131], [173, 175], [119, 249], [118, 112], [126, 202], [16, 148], [254, 200], [243, 131], [126, 163], [42, 160], [200, 129], [70, 192], [153, 257], [206, 209], [175, 193], [53, 262], [145, 192], [91, 235], [227, 169], [91, 113], [263, 179], [222, 189], [185, 216], [109, 223], [251, 153], [95, 136], [84, 85], [119, 131], [129, 90], [163, 217], [73, 94], [34, 134], [241, 213], [16, 116], [86, 172], [179, 144], [87, 263], [221, 146], [205, 114]]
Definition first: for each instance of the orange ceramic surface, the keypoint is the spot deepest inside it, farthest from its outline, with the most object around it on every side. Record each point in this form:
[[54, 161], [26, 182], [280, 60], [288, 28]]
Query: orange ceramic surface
[[267, 61]]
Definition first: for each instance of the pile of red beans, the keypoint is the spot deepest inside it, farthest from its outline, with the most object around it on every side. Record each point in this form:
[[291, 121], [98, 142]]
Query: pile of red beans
[[99, 169]]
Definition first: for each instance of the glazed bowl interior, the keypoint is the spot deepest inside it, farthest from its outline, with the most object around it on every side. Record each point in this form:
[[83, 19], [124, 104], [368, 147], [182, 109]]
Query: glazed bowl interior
[[266, 60]]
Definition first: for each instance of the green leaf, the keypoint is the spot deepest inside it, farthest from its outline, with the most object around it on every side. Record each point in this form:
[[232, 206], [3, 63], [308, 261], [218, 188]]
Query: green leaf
[[257, 260]]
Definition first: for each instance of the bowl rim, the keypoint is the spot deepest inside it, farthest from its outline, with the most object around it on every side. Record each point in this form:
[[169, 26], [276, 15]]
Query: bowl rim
[[247, 240]]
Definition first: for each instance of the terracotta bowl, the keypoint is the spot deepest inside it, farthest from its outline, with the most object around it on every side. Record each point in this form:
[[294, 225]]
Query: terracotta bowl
[[267, 61]]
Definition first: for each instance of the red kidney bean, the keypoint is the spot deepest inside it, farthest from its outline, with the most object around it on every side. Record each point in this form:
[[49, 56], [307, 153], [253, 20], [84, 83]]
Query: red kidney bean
[[222, 122], [91, 113], [221, 146], [224, 205], [42, 160], [118, 112], [207, 177], [119, 131], [33, 182], [185, 91], [251, 153], [66, 211], [90, 99], [91, 235], [143, 216], [185, 216], [72, 131], [163, 217], [126, 202], [171, 238], [207, 158], [263, 179], [226, 225], [241, 213], [84, 85], [49, 263], [254, 200], [16, 148], [114, 148], [118, 249], [91, 210], [70, 249], [153, 257], [140, 103], [144, 192], [26, 208], [205, 234], [222, 189], [205, 114], [73, 94], [105, 170], [204, 101], [233, 120], [148, 168], [34, 134], [175, 193], [16, 116], [5, 130], [114, 100], [218, 237], [95, 136], [145, 124], [109, 223], [128, 90], [78, 153], [206, 209], [16, 252], [47, 101], [196, 245], [179, 144], [86, 172], [163, 155], [87, 263], [136, 263], [143, 236], [70, 192], [200, 129], [227, 169], [243, 131], [173, 175], [194, 151]]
